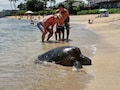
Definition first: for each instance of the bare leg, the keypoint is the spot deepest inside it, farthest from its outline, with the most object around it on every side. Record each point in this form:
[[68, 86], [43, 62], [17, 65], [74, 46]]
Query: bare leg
[[63, 34], [50, 34], [68, 31], [43, 35], [44, 32], [56, 35], [59, 35]]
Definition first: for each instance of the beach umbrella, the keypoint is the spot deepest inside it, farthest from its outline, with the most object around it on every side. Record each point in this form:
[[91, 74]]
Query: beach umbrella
[[102, 10], [29, 12]]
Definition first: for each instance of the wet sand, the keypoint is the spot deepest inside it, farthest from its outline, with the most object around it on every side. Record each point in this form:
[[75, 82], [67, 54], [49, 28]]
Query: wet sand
[[106, 60]]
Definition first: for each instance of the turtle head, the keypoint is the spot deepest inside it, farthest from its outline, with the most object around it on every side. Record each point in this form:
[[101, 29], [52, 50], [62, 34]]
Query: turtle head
[[85, 60]]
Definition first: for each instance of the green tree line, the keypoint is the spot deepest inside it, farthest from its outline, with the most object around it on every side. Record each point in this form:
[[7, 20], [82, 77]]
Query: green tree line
[[39, 7]]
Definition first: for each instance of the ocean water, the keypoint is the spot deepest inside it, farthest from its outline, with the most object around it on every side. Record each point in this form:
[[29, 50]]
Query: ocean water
[[20, 44]]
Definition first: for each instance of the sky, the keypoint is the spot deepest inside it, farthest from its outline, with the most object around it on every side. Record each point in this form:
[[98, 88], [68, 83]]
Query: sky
[[5, 4]]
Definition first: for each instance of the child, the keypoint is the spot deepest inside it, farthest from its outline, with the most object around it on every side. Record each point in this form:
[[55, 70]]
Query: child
[[59, 30]]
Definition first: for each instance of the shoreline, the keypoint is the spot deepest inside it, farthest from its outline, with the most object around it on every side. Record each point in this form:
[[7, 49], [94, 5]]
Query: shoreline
[[106, 60]]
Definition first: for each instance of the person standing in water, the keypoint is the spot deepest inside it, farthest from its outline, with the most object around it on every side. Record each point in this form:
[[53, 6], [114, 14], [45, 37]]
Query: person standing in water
[[47, 23], [65, 18]]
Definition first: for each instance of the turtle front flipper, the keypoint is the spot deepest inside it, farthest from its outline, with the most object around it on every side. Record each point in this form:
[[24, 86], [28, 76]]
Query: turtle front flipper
[[77, 65]]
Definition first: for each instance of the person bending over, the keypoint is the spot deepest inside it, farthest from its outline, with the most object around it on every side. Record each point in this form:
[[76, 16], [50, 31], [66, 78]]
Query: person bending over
[[47, 23]]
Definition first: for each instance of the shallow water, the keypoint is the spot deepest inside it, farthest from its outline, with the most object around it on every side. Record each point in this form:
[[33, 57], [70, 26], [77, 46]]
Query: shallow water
[[20, 44]]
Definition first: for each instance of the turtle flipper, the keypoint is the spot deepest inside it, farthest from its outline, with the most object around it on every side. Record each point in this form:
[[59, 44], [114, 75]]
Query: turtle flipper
[[77, 65]]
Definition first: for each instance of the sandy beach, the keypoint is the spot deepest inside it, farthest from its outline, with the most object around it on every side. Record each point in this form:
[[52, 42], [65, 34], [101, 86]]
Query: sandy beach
[[105, 65], [106, 61]]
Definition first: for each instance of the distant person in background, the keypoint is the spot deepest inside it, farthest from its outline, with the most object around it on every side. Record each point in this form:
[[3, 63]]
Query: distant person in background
[[90, 21], [32, 22], [65, 18], [47, 23]]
